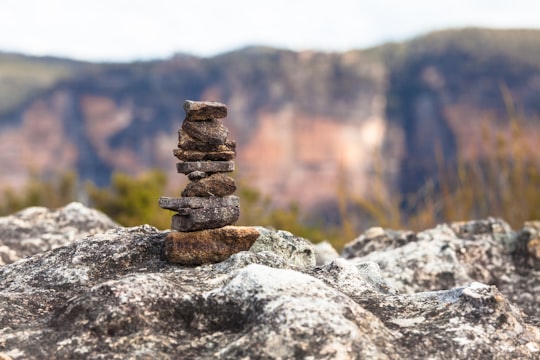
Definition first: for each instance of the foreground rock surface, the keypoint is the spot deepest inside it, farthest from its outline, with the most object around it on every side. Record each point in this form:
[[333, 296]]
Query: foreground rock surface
[[111, 295]]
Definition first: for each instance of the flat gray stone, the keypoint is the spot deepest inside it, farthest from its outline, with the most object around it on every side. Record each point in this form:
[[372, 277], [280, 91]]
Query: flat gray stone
[[187, 167], [203, 110], [176, 204], [205, 218]]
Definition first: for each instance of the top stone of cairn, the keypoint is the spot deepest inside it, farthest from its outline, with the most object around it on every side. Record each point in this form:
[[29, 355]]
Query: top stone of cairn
[[204, 110]]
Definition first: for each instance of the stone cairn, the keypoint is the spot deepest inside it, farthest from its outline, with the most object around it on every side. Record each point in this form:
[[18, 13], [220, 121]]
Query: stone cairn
[[202, 231]]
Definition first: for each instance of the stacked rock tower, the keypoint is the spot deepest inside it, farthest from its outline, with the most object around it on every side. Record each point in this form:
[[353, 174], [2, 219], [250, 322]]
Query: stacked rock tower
[[201, 232]]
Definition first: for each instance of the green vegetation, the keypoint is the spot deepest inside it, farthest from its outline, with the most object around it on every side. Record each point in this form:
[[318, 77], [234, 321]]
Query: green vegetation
[[53, 192], [131, 200]]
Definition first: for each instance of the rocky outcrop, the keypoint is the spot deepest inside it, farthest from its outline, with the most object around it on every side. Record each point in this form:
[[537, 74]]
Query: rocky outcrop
[[38, 229], [111, 295], [451, 255]]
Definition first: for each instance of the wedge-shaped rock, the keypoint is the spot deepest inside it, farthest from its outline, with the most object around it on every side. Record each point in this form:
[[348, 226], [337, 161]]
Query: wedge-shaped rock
[[189, 219], [186, 142], [213, 185], [176, 204], [205, 166], [203, 110], [210, 131], [195, 155], [208, 246]]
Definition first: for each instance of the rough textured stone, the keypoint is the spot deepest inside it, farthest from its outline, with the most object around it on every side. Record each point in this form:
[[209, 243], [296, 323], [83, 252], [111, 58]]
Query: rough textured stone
[[197, 175], [203, 110], [205, 166], [355, 280], [526, 251], [209, 131], [375, 239], [296, 250], [478, 229], [453, 255], [112, 296], [533, 247], [37, 229], [324, 253], [205, 218], [213, 185], [176, 204], [186, 142], [193, 155], [208, 246]]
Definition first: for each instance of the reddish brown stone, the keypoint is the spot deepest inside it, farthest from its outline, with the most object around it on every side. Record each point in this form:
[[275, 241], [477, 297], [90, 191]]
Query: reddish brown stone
[[203, 110], [213, 185], [208, 246]]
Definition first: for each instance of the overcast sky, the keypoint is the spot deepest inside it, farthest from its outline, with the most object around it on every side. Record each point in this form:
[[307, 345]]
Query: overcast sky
[[121, 30]]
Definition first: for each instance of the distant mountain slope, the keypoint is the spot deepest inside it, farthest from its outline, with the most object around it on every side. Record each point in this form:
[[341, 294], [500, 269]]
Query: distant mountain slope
[[23, 76], [444, 86], [303, 120]]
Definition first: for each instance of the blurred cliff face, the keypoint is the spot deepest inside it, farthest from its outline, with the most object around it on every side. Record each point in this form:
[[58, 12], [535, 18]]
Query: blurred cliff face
[[306, 123]]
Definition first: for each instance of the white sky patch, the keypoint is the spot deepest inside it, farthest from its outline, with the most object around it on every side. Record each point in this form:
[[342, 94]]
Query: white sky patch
[[122, 30]]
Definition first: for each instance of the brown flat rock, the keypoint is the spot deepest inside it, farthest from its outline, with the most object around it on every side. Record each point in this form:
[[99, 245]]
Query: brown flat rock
[[203, 110], [210, 131], [213, 185], [208, 246], [187, 167], [195, 155]]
